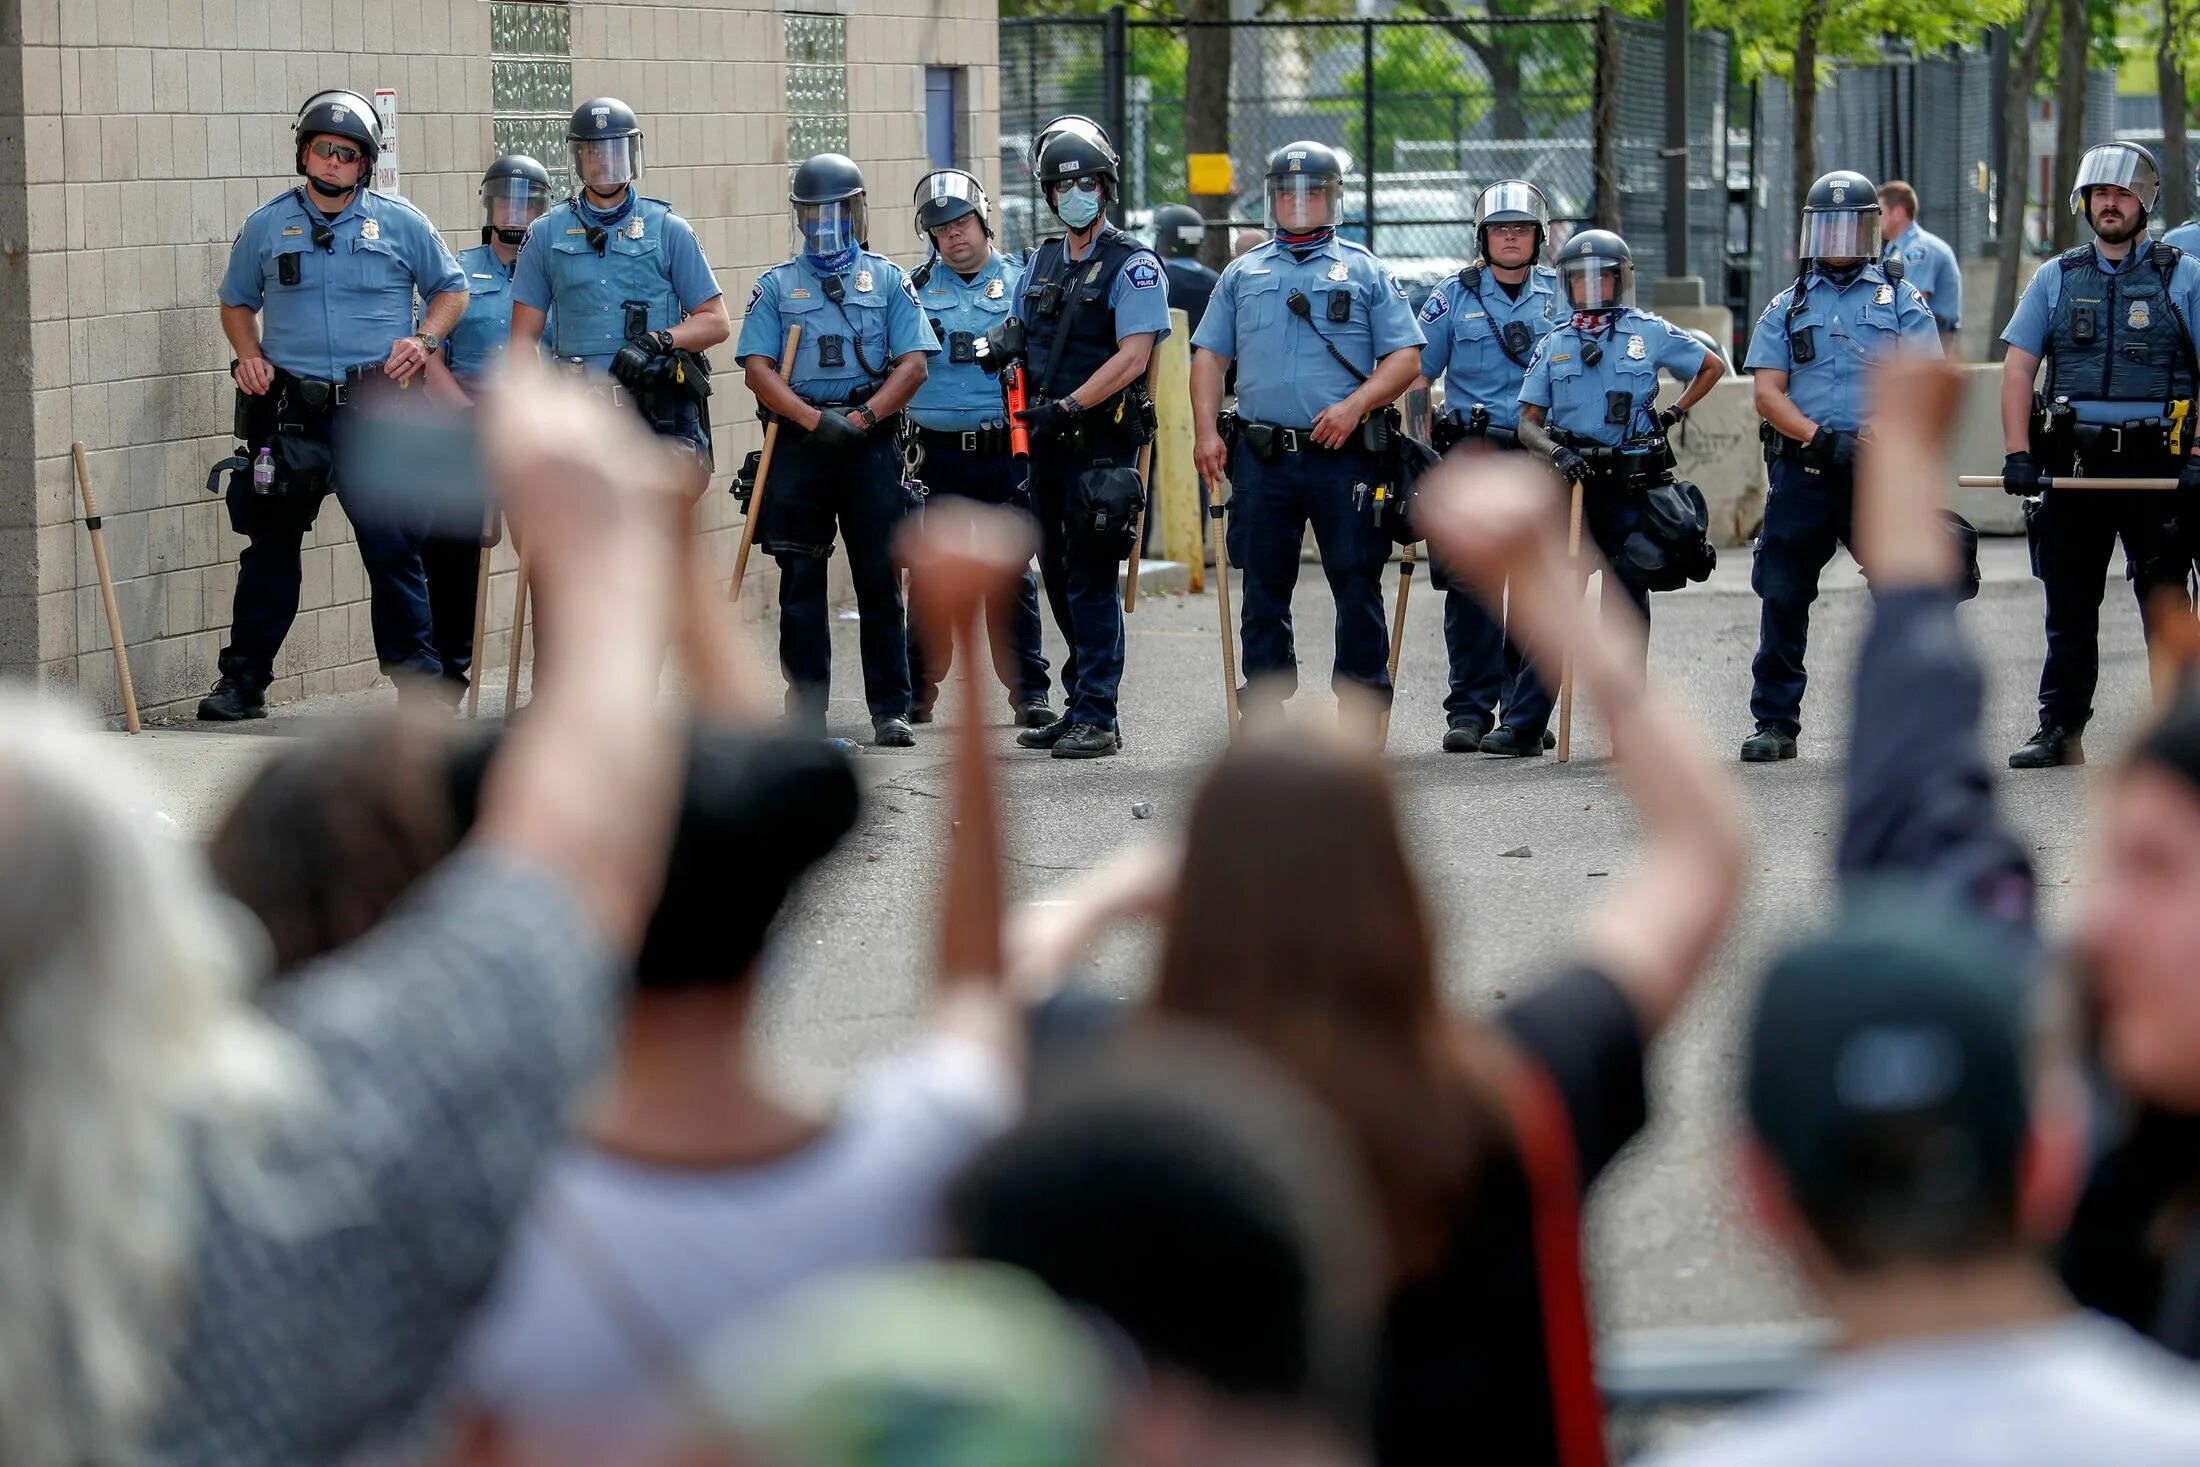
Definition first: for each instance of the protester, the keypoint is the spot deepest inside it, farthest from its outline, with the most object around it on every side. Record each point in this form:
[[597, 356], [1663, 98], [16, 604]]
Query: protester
[[1915, 1129], [234, 1239], [1328, 966]]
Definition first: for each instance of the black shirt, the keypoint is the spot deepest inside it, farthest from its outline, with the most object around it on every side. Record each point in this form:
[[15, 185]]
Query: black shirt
[[1462, 1378]]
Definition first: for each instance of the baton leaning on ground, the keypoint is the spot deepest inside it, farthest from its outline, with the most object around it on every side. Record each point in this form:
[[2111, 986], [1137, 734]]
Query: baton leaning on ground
[[1993, 481], [1397, 641], [1138, 535], [1566, 663], [519, 636], [763, 471], [106, 588], [481, 612], [1215, 509]]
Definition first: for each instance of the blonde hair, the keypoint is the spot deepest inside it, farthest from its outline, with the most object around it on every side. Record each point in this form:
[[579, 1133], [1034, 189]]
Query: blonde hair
[[122, 1019]]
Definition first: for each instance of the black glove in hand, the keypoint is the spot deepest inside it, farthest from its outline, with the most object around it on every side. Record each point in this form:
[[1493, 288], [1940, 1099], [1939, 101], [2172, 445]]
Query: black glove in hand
[[2188, 477], [1571, 466], [1832, 448], [635, 364], [2020, 474], [1668, 417], [835, 432], [1000, 346], [1048, 419]]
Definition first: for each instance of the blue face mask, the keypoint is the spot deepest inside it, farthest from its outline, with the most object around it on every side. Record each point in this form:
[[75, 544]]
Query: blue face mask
[[1078, 207], [829, 240]]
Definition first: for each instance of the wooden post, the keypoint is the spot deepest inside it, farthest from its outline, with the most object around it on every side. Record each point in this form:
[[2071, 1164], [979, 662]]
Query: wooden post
[[1175, 485], [1566, 666], [519, 636]]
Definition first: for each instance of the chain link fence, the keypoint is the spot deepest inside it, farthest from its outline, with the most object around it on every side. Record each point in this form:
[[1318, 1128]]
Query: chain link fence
[[1427, 112]]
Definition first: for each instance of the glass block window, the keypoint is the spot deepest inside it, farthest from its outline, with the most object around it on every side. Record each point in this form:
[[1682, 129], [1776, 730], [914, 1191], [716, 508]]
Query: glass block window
[[817, 85], [531, 82]]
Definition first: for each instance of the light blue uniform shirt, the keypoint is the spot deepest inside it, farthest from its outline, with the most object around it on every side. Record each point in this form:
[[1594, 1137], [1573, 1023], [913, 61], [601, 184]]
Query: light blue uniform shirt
[[353, 297], [1853, 328], [877, 318], [2185, 236], [959, 395], [649, 255], [1284, 373], [1464, 346], [2027, 328], [1929, 265], [1576, 395], [476, 344]]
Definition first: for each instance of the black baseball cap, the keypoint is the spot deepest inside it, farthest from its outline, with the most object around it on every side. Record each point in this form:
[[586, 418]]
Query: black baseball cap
[[1887, 1076]]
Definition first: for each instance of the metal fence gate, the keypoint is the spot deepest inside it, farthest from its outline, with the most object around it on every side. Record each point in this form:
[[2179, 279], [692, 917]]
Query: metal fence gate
[[1426, 111]]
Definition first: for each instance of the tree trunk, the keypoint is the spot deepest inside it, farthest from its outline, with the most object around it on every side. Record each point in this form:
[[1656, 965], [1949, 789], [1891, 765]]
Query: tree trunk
[[1207, 110], [2069, 115], [2016, 166], [1806, 98], [2176, 200]]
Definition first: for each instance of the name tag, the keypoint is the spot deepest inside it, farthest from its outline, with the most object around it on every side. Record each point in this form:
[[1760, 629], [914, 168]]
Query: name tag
[[294, 229]]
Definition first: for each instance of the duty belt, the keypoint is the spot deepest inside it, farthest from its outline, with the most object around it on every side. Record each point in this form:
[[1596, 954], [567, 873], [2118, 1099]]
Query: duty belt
[[1271, 441], [316, 395], [595, 383], [990, 441], [2134, 436]]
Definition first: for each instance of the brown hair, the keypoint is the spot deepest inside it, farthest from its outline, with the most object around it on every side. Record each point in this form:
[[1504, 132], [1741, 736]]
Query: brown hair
[[330, 836], [1299, 927], [1900, 194]]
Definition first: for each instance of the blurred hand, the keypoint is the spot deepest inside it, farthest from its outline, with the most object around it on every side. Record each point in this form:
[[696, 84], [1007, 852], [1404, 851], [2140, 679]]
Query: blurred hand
[[1914, 402], [1211, 456], [255, 375], [1491, 518], [1336, 424], [959, 554]]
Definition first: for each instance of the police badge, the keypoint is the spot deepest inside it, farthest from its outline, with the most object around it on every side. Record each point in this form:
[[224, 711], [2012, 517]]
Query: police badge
[[863, 282], [1338, 272], [1884, 296], [371, 229], [634, 227], [994, 290], [1636, 351], [2140, 316]]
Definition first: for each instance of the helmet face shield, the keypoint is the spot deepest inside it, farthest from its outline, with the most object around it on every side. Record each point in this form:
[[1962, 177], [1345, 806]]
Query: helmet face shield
[[2121, 165], [945, 196], [607, 164], [513, 202], [1844, 234], [829, 229], [1299, 202], [1512, 201], [1593, 283]]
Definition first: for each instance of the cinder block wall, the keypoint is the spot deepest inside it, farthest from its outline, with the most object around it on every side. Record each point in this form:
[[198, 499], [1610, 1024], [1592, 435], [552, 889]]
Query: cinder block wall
[[137, 135]]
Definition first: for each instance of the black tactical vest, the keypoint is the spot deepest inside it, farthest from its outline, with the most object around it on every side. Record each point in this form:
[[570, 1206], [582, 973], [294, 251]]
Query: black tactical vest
[[2116, 338], [1053, 283]]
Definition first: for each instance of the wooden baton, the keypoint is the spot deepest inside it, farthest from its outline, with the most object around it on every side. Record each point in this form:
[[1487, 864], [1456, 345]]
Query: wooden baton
[[1138, 531], [106, 589], [1566, 664], [763, 471], [1993, 481], [481, 613], [1215, 511], [519, 636], [1397, 640]]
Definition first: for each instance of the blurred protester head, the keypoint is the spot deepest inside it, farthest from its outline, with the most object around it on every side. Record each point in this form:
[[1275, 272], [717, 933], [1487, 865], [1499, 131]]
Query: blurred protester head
[[1323, 958], [923, 1365], [1185, 1191], [332, 832], [120, 1019], [1899, 1116], [2140, 935], [1246, 239]]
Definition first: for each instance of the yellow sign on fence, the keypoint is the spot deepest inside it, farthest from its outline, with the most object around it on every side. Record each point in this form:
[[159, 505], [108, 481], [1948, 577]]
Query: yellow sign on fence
[[1208, 173]]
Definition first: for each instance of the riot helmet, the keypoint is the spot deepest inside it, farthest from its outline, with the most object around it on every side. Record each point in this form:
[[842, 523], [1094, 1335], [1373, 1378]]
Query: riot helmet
[[1596, 273], [605, 141], [1840, 219], [831, 216], [1510, 201], [1298, 175], [1178, 231], [2122, 165], [515, 192], [1073, 123], [341, 114], [1078, 176], [947, 194]]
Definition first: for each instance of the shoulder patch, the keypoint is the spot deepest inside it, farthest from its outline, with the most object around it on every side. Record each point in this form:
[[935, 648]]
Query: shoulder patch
[[755, 295], [1397, 287], [909, 290], [1434, 307], [1144, 274]]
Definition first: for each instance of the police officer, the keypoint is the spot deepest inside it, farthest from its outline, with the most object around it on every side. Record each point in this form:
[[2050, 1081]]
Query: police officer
[[330, 270], [1483, 325], [966, 289], [1589, 402], [1179, 230], [2113, 320], [861, 358], [2186, 236], [1927, 263], [1812, 354], [515, 192], [618, 284], [1324, 340], [1093, 307]]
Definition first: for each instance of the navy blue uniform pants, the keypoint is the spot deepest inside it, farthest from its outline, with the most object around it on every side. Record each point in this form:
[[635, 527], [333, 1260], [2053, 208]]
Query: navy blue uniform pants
[[1082, 586], [1011, 620], [808, 493], [1609, 516], [2073, 533], [1486, 667], [452, 566], [1271, 505], [1807, 514]]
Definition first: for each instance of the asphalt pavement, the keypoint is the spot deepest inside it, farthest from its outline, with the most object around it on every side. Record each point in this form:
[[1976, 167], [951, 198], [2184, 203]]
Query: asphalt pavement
[[852, 963]]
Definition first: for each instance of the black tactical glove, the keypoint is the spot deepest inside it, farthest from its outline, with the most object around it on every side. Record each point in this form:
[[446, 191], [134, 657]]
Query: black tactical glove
[[834, 432], [1049, 419], [636, 364], [2020, 474], [2188, 478], [1832, 448], [1571, 466], [1000, 346], [1670, 416]]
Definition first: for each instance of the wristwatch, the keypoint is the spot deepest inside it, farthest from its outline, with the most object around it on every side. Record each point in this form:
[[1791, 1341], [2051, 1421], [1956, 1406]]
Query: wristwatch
[[863, 411], [429, 341], [663, 340], [1069, 404]]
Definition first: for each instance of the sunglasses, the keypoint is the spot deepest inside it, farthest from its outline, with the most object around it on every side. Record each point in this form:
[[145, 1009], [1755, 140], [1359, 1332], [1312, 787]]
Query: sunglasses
[[341, 152], [1081, 185]]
